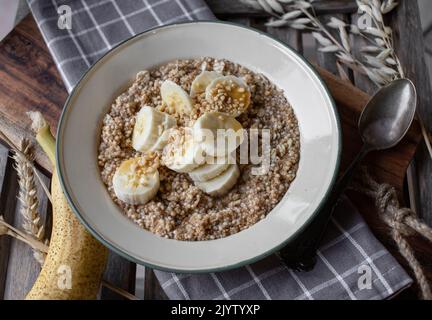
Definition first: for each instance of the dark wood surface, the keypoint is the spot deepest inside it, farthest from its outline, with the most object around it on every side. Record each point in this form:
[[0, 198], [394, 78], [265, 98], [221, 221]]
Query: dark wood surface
[[408, 34], [29, 80], [235, 8], [8, 189]]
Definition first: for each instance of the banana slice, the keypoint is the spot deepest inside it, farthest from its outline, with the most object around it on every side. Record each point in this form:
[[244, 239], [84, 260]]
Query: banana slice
[[218, 133], [161, 141], [212, 168], [175, 97], [222, 183], [136, 181], [230, 94], [182, 153], [201, 82], [150, 124]]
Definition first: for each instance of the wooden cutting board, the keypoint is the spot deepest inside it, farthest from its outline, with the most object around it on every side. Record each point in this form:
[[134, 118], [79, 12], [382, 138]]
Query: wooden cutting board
[[29, 80]]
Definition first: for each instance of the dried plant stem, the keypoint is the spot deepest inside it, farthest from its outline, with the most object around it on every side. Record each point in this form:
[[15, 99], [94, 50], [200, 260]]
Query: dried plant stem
[[426, 136], [355, 65], [120, 291], [323, 29], [18, 234], [15, 148], [32, 223], [43, 185]]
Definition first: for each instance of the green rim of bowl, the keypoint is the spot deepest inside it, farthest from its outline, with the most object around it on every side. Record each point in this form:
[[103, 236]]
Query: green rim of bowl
[[112, 246]]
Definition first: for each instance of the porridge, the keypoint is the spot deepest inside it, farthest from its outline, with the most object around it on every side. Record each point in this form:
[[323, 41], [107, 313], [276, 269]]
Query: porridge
[[154, 131]]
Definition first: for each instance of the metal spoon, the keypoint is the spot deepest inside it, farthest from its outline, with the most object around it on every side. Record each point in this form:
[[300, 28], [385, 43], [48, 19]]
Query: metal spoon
[[382, 124]]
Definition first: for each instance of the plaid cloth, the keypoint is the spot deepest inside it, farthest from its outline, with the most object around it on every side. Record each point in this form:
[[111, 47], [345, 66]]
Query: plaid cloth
[[348, 251], [98, 25]]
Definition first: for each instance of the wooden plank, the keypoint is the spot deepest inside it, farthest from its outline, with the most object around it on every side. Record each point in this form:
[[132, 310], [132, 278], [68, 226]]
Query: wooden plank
[[290, 36], [152, 288], [361, 81], [120, 273], [23, 269], [309, 47], [410, 48], [240, 20], [236, 7], [257, 23], [29, 80], [428, 41], [8, 189]]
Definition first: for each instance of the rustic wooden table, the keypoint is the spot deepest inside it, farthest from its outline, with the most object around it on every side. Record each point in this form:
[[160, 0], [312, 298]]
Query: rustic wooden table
[[28, 77]]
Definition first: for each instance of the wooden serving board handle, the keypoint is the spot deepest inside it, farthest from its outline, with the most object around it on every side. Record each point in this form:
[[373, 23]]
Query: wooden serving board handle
[[29, 80]]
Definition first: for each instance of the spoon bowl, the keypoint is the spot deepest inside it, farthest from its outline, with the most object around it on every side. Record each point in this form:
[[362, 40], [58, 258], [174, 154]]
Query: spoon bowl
[[388, 115]]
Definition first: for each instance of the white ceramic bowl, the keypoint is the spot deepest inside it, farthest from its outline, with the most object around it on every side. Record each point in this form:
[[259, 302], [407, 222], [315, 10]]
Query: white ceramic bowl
[[79, 130]]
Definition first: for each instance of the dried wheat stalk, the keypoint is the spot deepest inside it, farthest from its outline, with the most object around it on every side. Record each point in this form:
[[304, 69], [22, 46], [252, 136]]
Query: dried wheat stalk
[[3, 229], [27, 196], [7, 229], [16, 149]]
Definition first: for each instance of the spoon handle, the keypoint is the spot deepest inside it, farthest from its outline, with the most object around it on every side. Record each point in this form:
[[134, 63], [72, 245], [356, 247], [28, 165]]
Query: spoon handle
[[302, 254], [344, 181]]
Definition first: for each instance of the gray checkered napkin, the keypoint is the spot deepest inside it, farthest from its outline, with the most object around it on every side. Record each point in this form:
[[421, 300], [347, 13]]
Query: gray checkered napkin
[[348, 249]]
